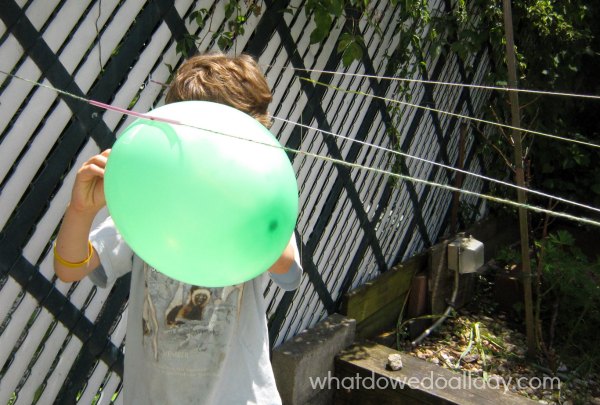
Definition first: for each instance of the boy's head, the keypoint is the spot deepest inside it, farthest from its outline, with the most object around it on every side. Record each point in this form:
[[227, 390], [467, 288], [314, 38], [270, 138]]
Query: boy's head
[[233, 81]]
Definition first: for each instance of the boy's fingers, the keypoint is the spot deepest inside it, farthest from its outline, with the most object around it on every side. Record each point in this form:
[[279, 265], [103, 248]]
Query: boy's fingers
[[95, 169], [106, 152], [98, 160], [92, 170]]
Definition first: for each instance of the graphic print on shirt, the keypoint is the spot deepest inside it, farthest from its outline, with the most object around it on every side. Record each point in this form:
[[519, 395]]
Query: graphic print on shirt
[[185, 327]]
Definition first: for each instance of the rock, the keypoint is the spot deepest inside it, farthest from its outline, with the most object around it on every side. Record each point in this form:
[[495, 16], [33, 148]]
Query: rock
[[435, 360], [470, 358], [495, 380], [448, 360], [595, 401], [394, 362]]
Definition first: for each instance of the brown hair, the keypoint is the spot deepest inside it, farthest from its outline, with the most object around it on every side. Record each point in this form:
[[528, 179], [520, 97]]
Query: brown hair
[[233, 81]]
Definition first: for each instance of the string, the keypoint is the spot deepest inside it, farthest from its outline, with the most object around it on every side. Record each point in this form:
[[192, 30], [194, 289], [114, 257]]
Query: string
[[39, 84], [445, 186], [94, 102], [325, 158], [134, 113], [480, 176], [451, 84], [498, 124], [98, 34]]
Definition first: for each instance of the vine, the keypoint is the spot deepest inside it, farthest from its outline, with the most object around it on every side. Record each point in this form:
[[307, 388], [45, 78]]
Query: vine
[[557, 49]]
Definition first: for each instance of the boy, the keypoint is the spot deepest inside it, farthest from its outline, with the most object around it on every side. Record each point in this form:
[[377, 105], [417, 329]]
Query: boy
[[185, 344]]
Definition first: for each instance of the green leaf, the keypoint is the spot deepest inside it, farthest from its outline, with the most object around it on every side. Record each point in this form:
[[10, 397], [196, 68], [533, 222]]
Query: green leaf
[[337, 7], [230, 8], [186, 44], [351, 47], [457, 47], [317, 36], [323, 20], [199, 16], [225, 40], [345, 40], [352, 52], [565, 238]]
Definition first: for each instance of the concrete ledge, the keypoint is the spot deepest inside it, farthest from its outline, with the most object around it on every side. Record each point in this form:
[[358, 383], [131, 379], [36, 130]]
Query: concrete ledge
[[311, 354], [362, 377]]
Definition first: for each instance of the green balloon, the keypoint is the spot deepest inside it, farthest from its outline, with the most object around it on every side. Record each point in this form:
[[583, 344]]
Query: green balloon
[[212, 202]]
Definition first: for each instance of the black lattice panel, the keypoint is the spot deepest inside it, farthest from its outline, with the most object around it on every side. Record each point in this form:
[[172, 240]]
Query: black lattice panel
[[63, 342]]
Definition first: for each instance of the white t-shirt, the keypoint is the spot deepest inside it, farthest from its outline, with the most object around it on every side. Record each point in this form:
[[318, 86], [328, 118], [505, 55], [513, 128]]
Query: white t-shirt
[[188, 344]]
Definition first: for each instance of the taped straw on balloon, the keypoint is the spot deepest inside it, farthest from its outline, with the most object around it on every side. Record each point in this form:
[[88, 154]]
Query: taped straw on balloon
[[132, 113], [141, 115], [333, 160], [413, 179], [399, 176], [477, 175], [498, 124]]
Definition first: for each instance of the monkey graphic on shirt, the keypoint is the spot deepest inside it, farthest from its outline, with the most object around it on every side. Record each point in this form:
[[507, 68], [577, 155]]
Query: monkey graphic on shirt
[[197, 300], [178, 318]]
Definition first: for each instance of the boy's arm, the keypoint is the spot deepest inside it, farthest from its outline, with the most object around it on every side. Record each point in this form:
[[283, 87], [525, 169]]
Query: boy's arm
[[284, 263], [72, 245], [286, 272], [72, 241]]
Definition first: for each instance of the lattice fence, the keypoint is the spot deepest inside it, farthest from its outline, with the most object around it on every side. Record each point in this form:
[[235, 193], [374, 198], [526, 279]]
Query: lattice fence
[[63, 343]]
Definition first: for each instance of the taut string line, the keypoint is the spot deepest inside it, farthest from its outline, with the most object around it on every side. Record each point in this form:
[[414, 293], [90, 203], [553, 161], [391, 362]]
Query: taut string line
[[431, 109], [314, 155], [477, 175], [440, 83]]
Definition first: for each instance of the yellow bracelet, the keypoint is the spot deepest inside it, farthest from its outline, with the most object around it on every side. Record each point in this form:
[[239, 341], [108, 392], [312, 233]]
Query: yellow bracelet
[[77, 264]]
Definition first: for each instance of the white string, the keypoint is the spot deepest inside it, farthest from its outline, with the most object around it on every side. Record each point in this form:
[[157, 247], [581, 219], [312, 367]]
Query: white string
[[417, 180], [473, 86], [593, 145], [332, 160], [401, 176], [441, 165]]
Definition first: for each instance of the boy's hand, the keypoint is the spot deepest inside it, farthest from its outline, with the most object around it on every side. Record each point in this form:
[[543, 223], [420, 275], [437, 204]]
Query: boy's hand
[[88, 190]]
